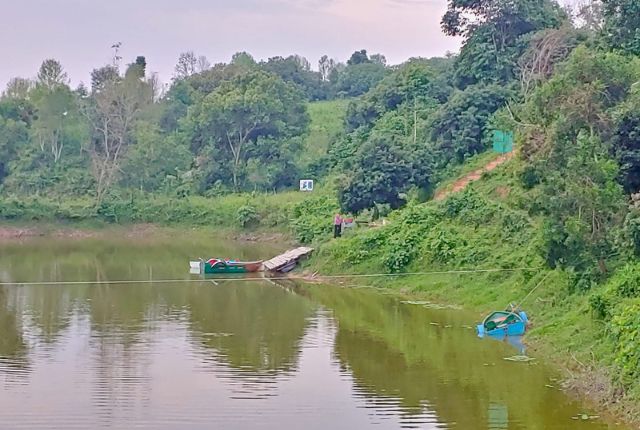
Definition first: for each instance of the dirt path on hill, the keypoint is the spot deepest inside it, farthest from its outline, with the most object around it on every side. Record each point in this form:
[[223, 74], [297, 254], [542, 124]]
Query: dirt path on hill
[[461, 183]]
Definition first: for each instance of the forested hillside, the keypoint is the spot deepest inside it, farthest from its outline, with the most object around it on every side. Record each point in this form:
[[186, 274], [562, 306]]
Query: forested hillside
[[217, 129]]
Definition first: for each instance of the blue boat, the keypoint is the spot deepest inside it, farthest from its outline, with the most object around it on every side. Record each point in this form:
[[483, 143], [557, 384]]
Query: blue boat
[[503, 323]]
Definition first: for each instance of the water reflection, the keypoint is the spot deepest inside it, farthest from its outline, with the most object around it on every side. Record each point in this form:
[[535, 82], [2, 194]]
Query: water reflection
[[13, 348], [416, 356], [242, 355]]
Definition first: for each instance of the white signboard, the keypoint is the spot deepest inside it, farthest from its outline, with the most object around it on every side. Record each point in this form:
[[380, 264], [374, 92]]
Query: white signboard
[[306, 185]]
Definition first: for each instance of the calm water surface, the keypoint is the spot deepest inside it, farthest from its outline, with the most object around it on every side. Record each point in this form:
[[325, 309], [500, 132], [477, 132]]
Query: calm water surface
[[242, 355]]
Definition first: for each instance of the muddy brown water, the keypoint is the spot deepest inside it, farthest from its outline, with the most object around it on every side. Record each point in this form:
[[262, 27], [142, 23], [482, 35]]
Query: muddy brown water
[[244, 355]]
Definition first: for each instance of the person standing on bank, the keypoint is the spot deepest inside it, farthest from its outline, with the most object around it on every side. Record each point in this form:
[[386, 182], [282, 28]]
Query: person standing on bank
[[337, 226]]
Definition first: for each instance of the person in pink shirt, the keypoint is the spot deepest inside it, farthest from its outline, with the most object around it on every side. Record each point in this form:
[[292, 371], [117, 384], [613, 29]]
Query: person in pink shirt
[[337, 226]]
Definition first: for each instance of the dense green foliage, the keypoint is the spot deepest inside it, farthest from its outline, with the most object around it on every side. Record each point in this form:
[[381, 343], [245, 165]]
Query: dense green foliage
[[241, 126], [622, 25], [495, 35], [252, 117]]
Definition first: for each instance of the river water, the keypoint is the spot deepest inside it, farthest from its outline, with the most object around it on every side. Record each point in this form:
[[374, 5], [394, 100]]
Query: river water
[[244, 355]]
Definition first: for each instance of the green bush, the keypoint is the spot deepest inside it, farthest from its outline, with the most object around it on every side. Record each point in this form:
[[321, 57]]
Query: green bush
[[513, 223], [626, 282], [400, 251], [623, 285], [470, 207], [11, 209], [600, 306], [313, 218], [529, 177], [631, 231], [247, 216], [443, 244], [626, 331]]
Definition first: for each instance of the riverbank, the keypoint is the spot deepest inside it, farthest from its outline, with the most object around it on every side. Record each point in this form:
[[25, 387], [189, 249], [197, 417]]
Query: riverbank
[[251, 216], [486, 249], [587, 379], [25, 232]]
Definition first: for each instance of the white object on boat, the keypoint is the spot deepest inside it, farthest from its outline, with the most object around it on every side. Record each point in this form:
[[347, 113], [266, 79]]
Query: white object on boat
[[195, 267]]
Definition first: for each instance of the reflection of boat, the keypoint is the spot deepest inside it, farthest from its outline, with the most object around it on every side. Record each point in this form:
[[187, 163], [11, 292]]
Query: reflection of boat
[[514, 341], [215, 265], [504, 323]]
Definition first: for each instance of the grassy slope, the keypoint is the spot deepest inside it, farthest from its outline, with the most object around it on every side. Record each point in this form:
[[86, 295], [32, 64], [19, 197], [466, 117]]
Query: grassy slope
[[486, 227], [327, 120]]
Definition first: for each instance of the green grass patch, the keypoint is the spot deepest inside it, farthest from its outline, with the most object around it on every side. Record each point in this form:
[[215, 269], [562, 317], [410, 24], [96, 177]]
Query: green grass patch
[[327, 121]]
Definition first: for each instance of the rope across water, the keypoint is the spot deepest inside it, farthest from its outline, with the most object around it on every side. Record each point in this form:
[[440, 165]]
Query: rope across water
[[262, 279]]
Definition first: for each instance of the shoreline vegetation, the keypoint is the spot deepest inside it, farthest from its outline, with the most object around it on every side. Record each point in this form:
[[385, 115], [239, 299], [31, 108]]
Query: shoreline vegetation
[[24, 231], [589, 382]]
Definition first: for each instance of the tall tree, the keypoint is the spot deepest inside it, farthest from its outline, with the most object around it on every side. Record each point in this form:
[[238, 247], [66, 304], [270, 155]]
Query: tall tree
[[18, 88], [359, 78], [187, 65], [231, 122], [546, 50], [141, 63], [296, 69], [153, 159], [326, 66], [303, 63], [112, 113], [383, 171], [103, 76], [243, 59], [412, 86], [52, 74], [622, 25], [13, 135], [203, 64], [379, 59], [590, 16], [460, 126], [358, 57], [493, 33], [54, 107], [156, 88]]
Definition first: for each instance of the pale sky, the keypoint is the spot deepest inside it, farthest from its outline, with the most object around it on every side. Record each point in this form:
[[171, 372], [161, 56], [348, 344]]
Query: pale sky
[[79, 33]]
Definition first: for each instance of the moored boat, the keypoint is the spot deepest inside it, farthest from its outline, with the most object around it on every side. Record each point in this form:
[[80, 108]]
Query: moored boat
[[504, 323], [216, 265]]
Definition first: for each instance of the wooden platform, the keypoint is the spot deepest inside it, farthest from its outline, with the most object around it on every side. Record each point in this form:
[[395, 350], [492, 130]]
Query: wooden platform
[[287, 261]]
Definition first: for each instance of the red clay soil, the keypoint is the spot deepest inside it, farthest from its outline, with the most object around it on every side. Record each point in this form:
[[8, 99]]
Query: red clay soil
[[461, 183]]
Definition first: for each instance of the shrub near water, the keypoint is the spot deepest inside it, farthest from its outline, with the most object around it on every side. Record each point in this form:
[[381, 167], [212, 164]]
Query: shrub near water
[[459, 232], [246, 216], [618, 305], [313, 218], [626, 330], [221, 212]]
